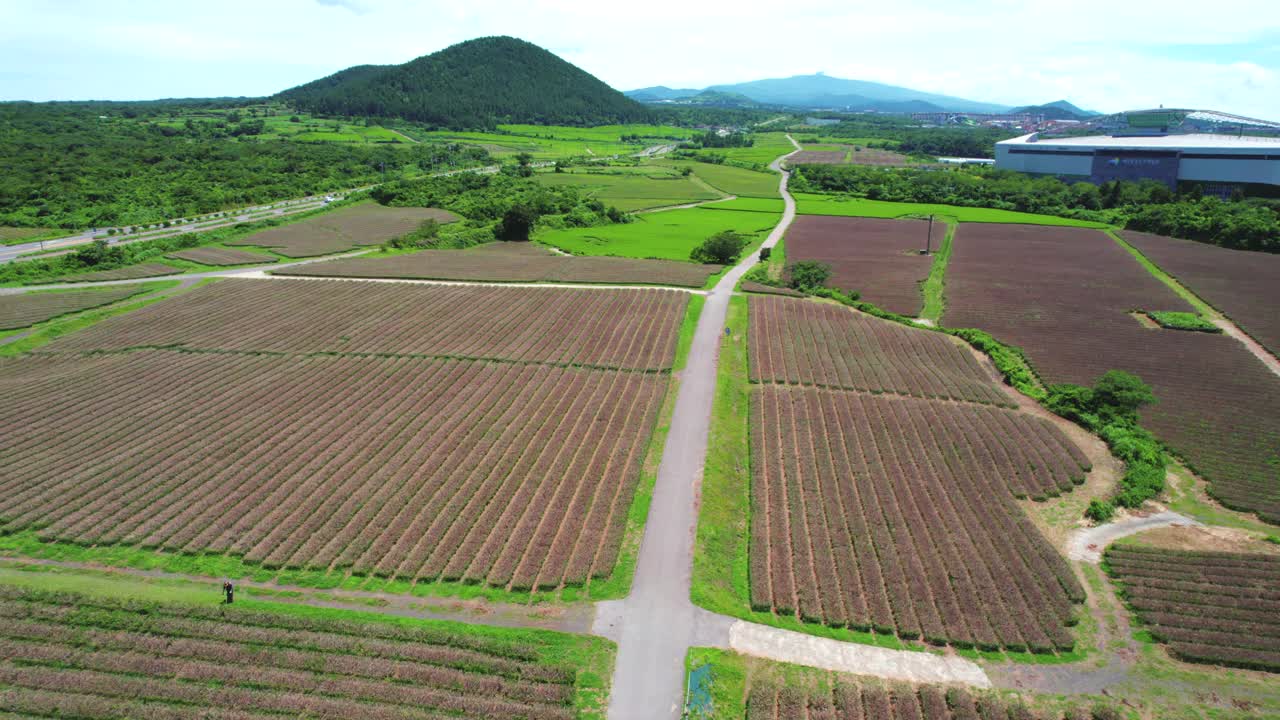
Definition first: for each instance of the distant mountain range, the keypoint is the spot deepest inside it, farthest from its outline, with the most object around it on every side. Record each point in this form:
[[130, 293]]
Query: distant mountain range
[[823, 92], [477, 83]]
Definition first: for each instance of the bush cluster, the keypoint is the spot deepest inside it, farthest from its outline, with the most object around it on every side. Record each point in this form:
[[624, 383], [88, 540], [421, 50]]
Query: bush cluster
[[1110, 409]]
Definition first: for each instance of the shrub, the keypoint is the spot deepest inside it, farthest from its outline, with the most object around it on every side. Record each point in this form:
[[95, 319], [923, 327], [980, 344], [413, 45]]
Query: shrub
[[720, 249], [765, 253], [808, 275], [1100, 510], [1183, 321]]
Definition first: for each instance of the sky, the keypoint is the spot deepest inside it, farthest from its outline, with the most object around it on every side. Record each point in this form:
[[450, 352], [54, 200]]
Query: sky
[[1130, 54]]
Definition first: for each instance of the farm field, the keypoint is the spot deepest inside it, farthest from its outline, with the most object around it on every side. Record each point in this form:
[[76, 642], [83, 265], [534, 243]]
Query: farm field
[[221, 256], [94, 656], [627, 329], [1239, 283], [19, 311], [951, 558], [847, 154], [518, 476], [766, 148], [816, 204], [667, 235], [810, 343], [557, 142], [867, 698], [513, 262], [514, 472], [733, 180], [1064, 296], [880, 259], [128, 272], [818, 157], [751, 204], [343, 229], [883, 497], [632, 191], [1219, 608]]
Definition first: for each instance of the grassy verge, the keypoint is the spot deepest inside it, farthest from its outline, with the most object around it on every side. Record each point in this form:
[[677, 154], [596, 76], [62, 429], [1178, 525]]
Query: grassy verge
[[49, 330], [935, 285], [592, 657]]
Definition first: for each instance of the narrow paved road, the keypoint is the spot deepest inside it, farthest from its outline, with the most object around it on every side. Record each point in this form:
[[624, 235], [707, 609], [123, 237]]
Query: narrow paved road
[[657, 620]]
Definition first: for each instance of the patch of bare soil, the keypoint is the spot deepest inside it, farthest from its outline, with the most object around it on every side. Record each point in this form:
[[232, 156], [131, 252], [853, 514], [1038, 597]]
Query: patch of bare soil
[[1145, 320], [1207, 538]]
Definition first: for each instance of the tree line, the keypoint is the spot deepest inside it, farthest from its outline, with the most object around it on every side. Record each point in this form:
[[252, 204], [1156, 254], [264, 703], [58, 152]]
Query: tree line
[[74, 166], [1149, 206]]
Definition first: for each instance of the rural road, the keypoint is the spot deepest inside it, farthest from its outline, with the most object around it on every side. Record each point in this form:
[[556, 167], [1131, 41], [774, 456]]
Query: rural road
[[657, 620], [1087, 545]]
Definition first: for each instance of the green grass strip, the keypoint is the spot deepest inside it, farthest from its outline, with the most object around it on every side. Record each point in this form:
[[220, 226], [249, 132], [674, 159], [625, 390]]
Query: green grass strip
[[935, 285], [1201, 306]]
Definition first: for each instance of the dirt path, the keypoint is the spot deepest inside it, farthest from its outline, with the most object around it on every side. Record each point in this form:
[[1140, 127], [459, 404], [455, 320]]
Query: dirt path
[[685, 206], [1115, 643], [564, 618], [656, 624], [1088, 544], [1230, 328], [905, 665]]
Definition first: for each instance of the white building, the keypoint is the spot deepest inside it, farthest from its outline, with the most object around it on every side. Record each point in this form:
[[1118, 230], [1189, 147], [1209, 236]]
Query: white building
[[1211, 160]]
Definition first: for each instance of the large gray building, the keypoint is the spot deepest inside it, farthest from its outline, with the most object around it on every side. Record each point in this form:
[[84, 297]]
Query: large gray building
[[1217, 151]]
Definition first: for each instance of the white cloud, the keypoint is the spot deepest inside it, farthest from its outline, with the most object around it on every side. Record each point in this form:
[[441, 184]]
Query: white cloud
[[995, 50]]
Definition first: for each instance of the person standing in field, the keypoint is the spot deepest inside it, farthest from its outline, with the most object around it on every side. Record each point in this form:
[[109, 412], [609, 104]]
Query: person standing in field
[[230, 591]]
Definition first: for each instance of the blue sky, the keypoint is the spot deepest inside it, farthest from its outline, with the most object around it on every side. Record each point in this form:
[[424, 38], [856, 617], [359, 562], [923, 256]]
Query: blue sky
[[1138, 54]]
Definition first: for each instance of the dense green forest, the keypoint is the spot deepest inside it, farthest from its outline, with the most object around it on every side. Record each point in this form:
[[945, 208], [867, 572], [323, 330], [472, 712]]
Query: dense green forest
[[75, 165], [475, 84], [1148, 206]]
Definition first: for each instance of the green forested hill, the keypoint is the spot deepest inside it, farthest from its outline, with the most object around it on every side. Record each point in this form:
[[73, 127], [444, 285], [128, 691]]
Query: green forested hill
[[477, 83]]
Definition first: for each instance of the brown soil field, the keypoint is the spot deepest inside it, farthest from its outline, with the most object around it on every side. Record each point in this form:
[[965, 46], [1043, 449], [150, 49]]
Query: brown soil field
[[65, 655], [811, 343], [1211, 607], [1063, 295], [870, 699], [1243, 285], [221, 256], [343, 229], [895, 514], [631, 329], [18, 311], [817, 157], [515, 475], [871, 156], [513, 262], [880, 259]]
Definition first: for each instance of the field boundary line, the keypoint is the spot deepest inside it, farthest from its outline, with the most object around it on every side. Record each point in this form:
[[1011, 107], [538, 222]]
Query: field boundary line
[[264, 275], [1216, 316], [577, 618]]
